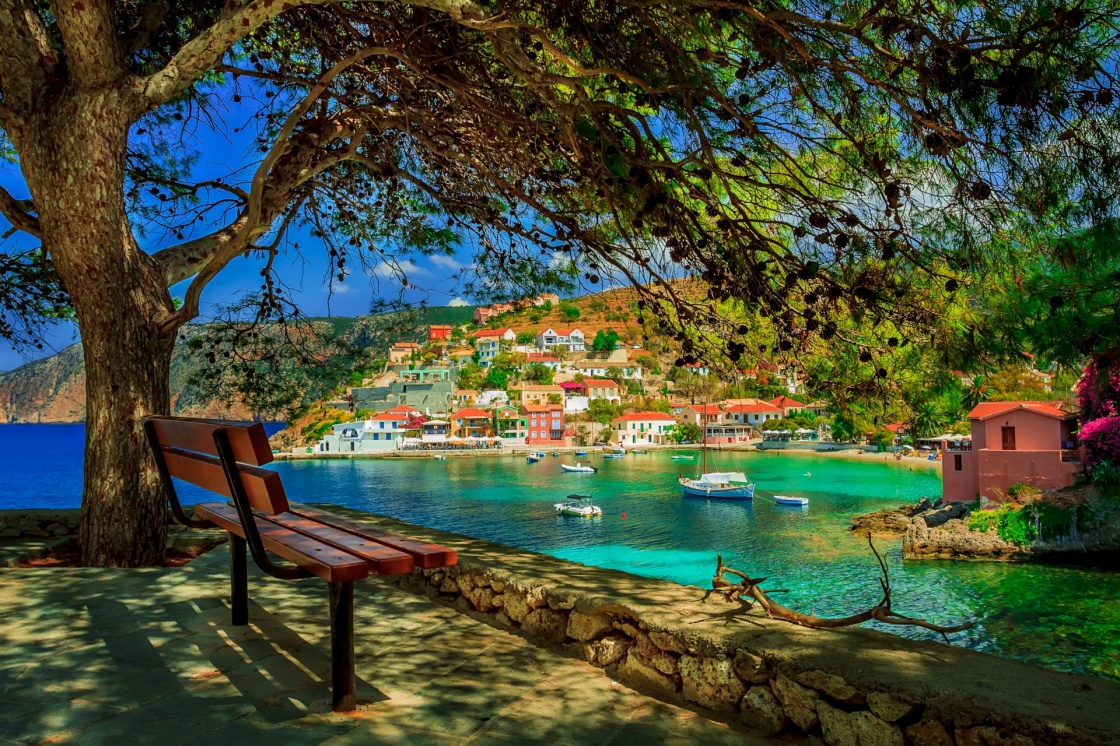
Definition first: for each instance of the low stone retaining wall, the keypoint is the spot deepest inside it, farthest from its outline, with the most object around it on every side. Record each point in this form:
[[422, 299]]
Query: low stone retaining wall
[[850, 687], [38, 524]]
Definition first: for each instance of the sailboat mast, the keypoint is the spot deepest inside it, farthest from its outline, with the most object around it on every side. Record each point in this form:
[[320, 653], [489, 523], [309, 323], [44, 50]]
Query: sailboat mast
[[704, 439]]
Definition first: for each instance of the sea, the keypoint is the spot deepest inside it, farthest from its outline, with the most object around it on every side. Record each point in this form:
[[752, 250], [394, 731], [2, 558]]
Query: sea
[[1058, 616]]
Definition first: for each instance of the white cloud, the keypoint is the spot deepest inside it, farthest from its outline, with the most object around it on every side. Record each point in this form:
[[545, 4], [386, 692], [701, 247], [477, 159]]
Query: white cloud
[[446, 262], [396, 269], [339, 288], [457, 302]]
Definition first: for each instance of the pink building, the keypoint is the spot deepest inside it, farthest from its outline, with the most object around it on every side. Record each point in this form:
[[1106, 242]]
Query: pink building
[[1028, 442], [546, 425]]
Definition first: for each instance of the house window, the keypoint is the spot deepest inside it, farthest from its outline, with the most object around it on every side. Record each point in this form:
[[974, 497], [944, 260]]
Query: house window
[[957, 465], [1008, 438]]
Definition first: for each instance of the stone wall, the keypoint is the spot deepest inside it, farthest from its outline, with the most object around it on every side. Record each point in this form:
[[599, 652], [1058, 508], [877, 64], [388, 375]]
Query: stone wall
[[38, 524], [849, 687]]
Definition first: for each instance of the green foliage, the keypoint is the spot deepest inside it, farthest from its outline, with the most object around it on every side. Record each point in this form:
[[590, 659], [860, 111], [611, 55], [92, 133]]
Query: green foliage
[[882, 438], [539, 373], [1010, 524], [602, 411], [555, 399], [526, 338], [363, 414], [570, 313], [605, 340], [596, 305]]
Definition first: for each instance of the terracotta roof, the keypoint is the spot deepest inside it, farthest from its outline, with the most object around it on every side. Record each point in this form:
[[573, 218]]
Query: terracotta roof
[[894, 427], [544, 407], [706, 408], [785, 401], [536, 357], [757, 407], [389, 417], [602, 382], [439, 326], [985, 410], [469, 412], [406, 346], [402, 408], [541, 387], [491, 332], [645, 416]]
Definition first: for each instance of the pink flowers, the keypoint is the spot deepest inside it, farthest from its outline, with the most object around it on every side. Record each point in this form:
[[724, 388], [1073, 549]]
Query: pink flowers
[[1100, 416], [1101, 439]]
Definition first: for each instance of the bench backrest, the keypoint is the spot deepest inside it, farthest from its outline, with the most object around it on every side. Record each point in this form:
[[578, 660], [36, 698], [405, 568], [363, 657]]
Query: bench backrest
[[186, 449]]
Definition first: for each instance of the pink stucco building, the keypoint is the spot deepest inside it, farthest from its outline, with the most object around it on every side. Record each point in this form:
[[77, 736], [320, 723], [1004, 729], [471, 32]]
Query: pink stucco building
[[1029, 442]]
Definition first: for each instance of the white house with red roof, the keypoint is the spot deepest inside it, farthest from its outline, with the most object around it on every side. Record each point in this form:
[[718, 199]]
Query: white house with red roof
[[382, 432], [702, 414], [753, 412], [1031, 442], [569, 340], [787, 405], [643, 428], [541, 358]]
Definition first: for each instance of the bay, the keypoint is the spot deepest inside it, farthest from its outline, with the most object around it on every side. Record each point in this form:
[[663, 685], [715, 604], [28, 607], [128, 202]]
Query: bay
[[1063, 617]]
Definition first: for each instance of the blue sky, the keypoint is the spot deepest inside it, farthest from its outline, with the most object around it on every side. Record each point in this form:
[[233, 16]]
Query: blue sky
[[223, 150]]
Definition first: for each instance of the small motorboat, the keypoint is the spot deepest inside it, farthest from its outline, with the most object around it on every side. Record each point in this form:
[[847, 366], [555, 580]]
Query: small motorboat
[[612, 454], [619, 451], [582, 468], [533, 458], [579, 505], [788, 500], [540, 454], [684, 457], [639, 450], [556, 453], [439, 457], [581, 453]]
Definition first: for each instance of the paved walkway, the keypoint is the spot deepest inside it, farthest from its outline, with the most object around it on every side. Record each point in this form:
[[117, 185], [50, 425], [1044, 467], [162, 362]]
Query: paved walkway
[[138, 656]]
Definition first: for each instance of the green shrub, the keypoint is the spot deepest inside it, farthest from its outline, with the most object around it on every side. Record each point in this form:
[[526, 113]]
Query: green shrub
[[1020, 489], [1015, 526]]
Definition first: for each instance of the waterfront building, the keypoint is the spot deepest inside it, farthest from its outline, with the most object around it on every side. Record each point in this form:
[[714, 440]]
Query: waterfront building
[[383, 432], [643, 428], [727, 434], [568, 340], [787, 405], [603, 388], [546, 424], [702, 414], [1014, 441], [510, 425], [435, 432], [437, 332], [754, 412], [470, 422]]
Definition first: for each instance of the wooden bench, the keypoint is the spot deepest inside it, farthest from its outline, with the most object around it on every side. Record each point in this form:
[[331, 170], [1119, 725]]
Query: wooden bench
[[225, 458]]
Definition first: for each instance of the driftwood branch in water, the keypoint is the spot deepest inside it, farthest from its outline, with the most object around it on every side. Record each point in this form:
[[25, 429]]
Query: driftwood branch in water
[[748, 591]]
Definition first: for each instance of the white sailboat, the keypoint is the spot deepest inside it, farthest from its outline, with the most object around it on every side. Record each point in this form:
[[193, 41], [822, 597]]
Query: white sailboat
[[724, 485]]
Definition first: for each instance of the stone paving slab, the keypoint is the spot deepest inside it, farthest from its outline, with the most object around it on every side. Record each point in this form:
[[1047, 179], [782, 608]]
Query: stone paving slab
[[149, 656]]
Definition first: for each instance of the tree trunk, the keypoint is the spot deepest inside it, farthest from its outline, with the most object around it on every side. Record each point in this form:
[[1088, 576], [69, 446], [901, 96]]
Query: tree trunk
[[73, 156]]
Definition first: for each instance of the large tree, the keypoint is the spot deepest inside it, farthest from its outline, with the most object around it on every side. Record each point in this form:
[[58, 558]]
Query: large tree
[[800, 158]]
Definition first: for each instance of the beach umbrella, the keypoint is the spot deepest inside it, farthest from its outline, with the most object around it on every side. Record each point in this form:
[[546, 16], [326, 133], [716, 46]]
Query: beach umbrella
[[926, 448]]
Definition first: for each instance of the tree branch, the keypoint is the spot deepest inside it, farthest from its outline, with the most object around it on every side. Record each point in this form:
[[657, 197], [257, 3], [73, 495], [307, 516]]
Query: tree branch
[[94, 55], [16, 211], [27, 59]]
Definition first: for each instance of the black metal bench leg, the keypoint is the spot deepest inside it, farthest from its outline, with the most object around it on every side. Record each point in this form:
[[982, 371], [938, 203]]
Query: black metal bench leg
[[238, 580], [342, 647]]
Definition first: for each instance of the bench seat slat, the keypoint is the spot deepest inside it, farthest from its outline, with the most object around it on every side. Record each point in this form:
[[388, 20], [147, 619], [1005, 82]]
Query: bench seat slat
[[427, 556], [329, 563], [383, 560]]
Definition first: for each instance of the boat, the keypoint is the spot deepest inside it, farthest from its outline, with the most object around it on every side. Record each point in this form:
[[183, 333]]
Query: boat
[[579, 505], [723, 485], [581, 453], [619, 451], [639, 450], [612, 454], [532, 458], [556, 453], [726, 485], [788, 500], [439, 457], [583, 468], [684, 457]]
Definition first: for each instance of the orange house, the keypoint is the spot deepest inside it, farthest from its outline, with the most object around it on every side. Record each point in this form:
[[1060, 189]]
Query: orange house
[[546, 425], [437, 332], [1028, 442]]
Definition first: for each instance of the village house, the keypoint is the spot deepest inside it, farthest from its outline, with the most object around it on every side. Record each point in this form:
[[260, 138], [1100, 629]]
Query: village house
[[438, 332], [1015, 441], [510, 425], [754, 413], [787, 405], [402, 352], [818, 408], [539, 393], [548, 361], [603, 388], [470, 422], [482, 315], [568, 340], [697, 369], [461, 356], [382, 432], [489, 343], [464, 397], [702, 414], [544, 298], [435, 432], [727, 434], [676, 407], [491, 398], [643, 428], [546, 424]]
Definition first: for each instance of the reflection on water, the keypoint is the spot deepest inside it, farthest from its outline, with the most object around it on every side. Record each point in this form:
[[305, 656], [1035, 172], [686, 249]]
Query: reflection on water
[[1063, 617]]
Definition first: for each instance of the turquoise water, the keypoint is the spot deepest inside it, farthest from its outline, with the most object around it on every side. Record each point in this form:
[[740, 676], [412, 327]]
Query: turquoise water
[[1062, 617]]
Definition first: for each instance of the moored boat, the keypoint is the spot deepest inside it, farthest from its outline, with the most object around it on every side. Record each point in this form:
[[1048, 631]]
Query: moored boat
[[789, 500], [726, 485], [581, 453], [611, 454], [683, 457], [583, 468], [532, 458], [579, 505]]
